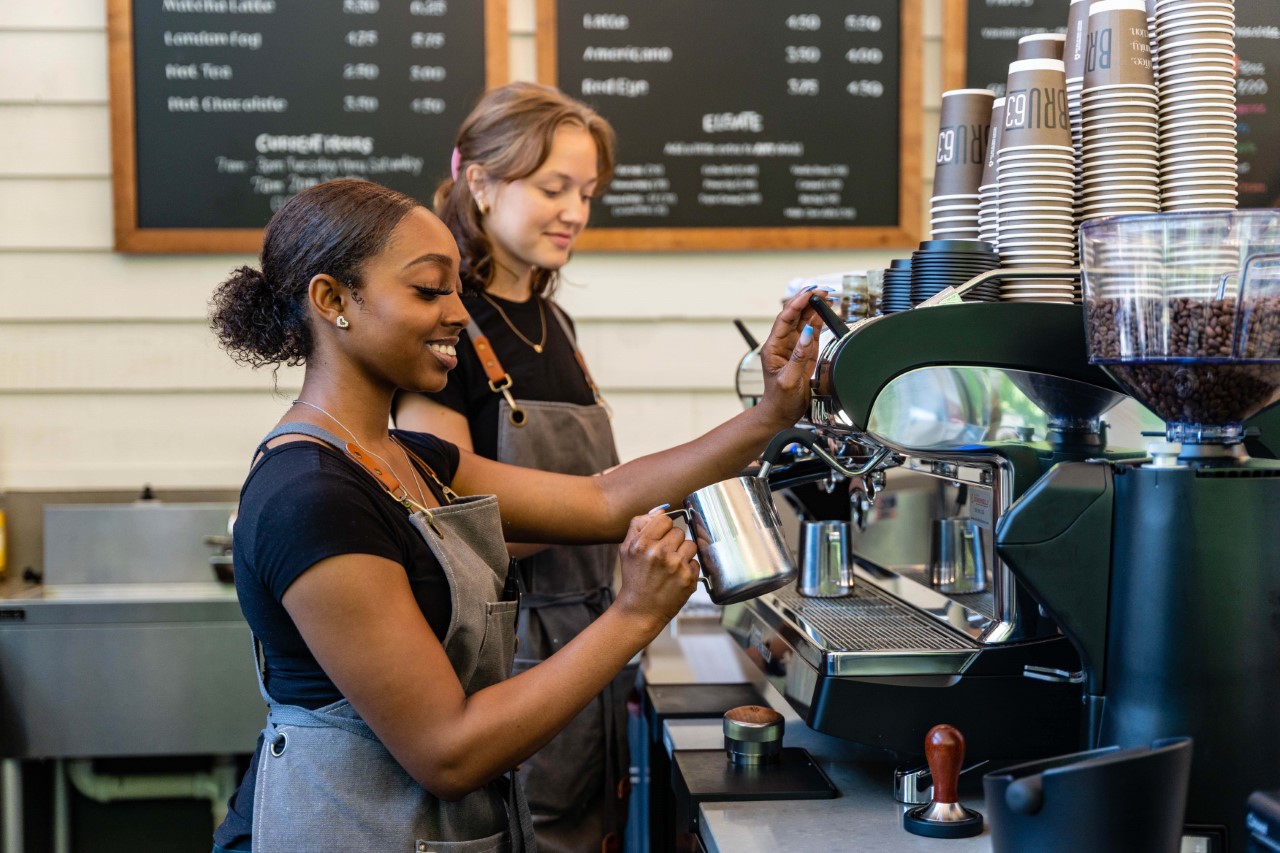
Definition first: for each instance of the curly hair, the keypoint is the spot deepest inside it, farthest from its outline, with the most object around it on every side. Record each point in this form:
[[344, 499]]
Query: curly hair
[[260, 316], [509, 133]]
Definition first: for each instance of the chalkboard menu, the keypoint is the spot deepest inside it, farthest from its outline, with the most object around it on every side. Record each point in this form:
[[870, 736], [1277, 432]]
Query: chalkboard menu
[[981, 39], [747, 124], [987, 32], [223, 109], [1258, 102]]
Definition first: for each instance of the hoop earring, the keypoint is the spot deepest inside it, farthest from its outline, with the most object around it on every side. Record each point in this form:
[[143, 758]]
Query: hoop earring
[[341, 322]]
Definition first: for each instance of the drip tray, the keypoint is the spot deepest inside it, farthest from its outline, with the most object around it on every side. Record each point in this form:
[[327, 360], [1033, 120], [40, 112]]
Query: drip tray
[[707, 775]]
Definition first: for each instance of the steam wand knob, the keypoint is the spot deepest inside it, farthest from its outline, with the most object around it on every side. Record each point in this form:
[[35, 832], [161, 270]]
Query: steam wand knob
[[828, 315], [944, 817]]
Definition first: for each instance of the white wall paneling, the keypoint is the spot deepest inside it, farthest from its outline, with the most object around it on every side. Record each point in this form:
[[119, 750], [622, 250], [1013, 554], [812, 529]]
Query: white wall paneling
[[109, 376]]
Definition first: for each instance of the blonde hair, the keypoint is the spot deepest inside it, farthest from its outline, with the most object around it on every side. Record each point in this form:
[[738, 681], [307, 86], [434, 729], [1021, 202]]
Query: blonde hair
[[509, 134]]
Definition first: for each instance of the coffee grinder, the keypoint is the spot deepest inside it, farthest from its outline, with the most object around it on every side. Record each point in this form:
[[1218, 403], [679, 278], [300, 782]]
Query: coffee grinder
[[1164, 572]]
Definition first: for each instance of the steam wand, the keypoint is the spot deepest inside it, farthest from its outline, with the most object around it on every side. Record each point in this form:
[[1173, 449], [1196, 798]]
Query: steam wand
[[805, 437]]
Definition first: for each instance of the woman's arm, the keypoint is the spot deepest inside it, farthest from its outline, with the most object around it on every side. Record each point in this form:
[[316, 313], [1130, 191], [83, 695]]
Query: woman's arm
[[540, 506], [359, 618], [417, 413]]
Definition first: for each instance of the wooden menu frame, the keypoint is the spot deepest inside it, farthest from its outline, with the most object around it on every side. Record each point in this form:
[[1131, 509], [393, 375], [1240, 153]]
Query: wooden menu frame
[[124, 177], [955, 61], [905, 234]]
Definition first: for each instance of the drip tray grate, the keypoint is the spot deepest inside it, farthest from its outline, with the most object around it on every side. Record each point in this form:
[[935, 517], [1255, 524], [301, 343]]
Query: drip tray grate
[[869, 621]]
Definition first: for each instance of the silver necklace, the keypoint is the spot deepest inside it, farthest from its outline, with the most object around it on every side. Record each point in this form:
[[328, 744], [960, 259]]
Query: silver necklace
[[414, 478]]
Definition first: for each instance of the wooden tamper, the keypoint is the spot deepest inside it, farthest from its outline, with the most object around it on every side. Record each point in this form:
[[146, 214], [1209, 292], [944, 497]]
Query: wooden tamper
[[943, 817], [753, 734]]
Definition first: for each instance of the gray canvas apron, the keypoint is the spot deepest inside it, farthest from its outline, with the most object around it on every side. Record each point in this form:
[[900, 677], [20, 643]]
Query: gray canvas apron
[[326, 783], [577, 783]]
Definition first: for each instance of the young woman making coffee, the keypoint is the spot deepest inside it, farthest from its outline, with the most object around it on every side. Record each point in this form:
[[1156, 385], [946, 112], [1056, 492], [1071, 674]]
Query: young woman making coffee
[[371, 566], [528, 162]]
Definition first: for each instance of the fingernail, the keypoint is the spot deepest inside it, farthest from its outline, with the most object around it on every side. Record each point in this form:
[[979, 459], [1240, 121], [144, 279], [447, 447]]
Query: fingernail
[[806, 336], [659, 508], [810, 287]]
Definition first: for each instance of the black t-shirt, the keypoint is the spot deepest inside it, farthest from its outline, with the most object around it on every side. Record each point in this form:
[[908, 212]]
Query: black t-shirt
[[551, 376], [302, 503]]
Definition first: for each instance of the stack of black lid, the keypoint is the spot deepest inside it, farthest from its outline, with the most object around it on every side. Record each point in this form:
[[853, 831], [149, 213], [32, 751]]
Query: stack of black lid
[[895, 290], [939, 264]]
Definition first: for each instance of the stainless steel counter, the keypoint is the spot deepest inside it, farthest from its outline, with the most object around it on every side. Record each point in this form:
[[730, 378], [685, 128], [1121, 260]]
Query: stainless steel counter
[[97, 670]]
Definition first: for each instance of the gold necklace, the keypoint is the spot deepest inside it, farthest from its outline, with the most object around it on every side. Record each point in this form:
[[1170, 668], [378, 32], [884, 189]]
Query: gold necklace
[[542, 321], [413, 473]]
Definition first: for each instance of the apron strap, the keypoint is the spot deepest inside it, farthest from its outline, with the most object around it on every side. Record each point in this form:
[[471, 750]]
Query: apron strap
[[519, 818], [500, 381], [577, 353], [602, 597], [300, 428]]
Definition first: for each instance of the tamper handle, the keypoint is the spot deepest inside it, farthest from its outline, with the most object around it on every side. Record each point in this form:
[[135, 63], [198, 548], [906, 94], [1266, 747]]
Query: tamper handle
[[944, 750]]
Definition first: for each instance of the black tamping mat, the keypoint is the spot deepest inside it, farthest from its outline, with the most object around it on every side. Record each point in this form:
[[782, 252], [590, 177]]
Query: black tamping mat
[[693, 701], [707, 775]]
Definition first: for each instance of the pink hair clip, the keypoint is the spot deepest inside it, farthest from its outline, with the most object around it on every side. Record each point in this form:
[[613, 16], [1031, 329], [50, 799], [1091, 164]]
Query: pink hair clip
[[454, 162]]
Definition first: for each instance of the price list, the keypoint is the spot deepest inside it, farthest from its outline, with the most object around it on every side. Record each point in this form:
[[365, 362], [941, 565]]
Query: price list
[[240, 104], [1258, 103], [751, 114], [993, 28]]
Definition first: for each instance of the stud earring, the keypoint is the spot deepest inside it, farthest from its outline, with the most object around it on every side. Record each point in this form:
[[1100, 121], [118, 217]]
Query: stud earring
[[341, 322], [482, 207]]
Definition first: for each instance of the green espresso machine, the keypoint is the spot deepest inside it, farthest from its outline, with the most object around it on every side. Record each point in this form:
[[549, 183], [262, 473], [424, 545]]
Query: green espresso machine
[[1164, 572]]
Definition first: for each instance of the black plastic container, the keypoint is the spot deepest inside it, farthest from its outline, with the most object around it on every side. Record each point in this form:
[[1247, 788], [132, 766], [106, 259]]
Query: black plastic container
[[1108, 800]]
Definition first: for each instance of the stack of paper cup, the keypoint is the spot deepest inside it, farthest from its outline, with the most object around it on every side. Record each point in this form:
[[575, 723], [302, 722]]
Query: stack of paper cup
[[989, 188], [963, 131], [1035, 171], [1196, 40], [1118, 104], [1073, 57]]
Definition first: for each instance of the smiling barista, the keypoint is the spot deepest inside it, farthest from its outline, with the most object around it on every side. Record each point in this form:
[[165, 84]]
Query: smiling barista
[[528, 162], [371, 566]]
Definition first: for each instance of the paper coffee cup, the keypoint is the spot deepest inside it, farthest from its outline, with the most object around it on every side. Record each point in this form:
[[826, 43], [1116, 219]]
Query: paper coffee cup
[[963, 133], [1035, 104], [1076, 39], [1041, 46], [1117, 48], [993, 143]]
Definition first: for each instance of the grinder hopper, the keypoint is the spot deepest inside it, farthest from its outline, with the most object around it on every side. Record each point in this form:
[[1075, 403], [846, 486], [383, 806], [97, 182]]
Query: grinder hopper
[[1183, 310]]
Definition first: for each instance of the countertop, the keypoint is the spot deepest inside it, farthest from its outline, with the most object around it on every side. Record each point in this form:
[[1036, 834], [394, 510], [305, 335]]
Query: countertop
[[865, 817]]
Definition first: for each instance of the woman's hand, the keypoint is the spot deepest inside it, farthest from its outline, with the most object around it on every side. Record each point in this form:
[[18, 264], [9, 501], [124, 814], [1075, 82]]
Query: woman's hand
[[658, 568], [788, 357]]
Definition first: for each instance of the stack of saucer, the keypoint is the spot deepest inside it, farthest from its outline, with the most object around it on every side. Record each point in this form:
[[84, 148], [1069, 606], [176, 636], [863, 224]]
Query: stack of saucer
[[963, 129], [1196, 42], [1036, 172], [1120, 143], [895, 288], [989, 188], [939, 264], [1073, 52]]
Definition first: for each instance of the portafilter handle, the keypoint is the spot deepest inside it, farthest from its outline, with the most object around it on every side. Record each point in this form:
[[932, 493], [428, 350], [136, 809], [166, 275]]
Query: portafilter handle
[[796, 435]]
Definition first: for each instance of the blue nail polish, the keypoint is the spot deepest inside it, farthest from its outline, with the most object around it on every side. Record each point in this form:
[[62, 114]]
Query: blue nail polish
[[658, 509], [810, 287], [806, 336]]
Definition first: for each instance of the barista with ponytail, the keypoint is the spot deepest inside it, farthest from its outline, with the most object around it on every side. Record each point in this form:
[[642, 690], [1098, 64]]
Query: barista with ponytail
[[529, 160]]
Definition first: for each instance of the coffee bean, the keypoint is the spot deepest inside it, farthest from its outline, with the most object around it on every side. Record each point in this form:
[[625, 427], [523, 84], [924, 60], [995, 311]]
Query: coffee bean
[[1152, 344]]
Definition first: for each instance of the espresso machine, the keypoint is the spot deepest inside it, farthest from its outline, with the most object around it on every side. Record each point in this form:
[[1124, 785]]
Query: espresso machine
[[1131, 595], [968, 405]]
